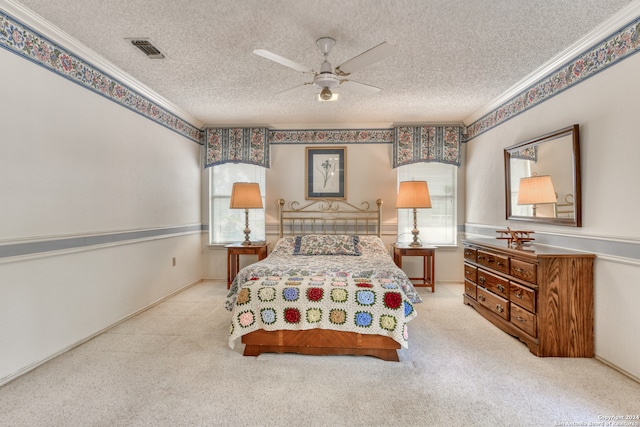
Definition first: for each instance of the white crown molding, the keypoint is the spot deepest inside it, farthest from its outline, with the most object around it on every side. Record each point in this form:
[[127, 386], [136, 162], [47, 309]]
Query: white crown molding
[[332, 126], [58, 36], [606, 29], [345, 126]]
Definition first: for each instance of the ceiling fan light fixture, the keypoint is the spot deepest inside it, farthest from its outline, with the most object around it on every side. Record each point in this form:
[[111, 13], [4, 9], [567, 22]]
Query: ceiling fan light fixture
[[326, 94]]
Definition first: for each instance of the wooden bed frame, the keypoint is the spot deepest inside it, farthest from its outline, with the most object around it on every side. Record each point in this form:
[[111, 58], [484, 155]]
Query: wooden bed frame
[[324, 217]]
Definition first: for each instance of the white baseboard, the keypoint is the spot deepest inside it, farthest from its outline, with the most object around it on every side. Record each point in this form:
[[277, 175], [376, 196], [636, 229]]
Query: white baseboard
[[622, 371]]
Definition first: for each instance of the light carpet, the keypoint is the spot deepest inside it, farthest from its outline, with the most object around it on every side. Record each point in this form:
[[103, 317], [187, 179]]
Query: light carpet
[[171, 366]]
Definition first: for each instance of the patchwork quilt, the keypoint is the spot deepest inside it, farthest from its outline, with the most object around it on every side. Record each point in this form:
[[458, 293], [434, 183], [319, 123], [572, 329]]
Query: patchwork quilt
[[355, 304], [332, 256]]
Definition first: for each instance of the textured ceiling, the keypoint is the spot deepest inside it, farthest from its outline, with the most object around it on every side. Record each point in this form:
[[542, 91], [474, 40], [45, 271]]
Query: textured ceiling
[[454, 56]]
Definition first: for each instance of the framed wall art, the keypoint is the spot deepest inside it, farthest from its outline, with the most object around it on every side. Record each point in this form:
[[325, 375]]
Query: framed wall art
[[325, 169]]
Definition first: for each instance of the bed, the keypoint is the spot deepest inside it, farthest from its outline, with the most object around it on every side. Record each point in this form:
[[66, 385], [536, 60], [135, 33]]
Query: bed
[[329, 286]]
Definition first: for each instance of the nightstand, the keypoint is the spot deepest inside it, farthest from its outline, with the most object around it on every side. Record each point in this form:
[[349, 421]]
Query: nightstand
[[234, 250], [428, 253]]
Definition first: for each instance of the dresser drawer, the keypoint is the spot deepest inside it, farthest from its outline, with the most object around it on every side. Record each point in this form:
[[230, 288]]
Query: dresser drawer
[[548, 302], [497, 262], [470, 289], [495, 284], [470, 254], [523, 270], [470, 272], [524, 297], [523, 319], [496, 304]]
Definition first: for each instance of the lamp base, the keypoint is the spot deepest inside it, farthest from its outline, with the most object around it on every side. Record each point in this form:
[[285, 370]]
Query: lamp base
[[247, 231], [415, 230]]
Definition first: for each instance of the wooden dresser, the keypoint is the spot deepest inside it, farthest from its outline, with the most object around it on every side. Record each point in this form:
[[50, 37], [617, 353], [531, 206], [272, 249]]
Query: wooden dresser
[[542, 295]]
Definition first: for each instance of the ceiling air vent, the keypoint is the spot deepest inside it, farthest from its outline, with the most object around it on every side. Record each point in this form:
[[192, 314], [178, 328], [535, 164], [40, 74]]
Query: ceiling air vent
[[147, 48]]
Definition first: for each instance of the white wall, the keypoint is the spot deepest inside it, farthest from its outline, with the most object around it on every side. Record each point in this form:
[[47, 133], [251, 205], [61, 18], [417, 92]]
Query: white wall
[[74, 164], [605, 106], [370, 176]]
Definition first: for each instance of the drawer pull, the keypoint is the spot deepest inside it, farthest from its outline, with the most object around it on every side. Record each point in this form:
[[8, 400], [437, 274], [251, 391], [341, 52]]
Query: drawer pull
[[518, 296], [521, 319], [480, 257], [501, 263], [481, 279], [481, 297], [499, 308], [500, 288], [518, 269], [490, 260]]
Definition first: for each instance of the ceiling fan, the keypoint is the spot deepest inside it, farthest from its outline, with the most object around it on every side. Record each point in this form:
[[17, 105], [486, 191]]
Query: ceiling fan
[[328, 78]]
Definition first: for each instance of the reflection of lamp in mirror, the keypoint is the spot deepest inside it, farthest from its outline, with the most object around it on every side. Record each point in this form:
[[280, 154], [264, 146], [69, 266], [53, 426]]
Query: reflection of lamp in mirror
[[536, 190], [413, 195], [246, 195]]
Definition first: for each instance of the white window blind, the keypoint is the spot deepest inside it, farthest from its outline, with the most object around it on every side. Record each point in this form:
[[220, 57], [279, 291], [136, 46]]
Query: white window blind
[[438, 225], [227, 225], [519, 169]]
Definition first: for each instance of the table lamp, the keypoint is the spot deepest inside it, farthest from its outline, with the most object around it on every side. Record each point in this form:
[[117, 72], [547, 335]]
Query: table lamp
[[246, 195], [536, 190], [413, 195]]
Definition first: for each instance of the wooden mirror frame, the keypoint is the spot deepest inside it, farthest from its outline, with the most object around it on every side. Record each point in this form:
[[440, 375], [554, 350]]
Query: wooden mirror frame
[[572, 133]]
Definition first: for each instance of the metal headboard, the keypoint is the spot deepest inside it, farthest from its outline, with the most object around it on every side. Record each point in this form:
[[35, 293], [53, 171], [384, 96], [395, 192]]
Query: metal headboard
[[565, 208], [329, 217]]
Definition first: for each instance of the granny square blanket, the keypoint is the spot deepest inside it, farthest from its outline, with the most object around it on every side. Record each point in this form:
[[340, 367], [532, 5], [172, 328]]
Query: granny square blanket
[[361, 305], [374, 263]]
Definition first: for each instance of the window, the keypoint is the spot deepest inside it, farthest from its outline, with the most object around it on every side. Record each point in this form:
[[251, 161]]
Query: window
[[227, 225], [438, 225], [519, 169]]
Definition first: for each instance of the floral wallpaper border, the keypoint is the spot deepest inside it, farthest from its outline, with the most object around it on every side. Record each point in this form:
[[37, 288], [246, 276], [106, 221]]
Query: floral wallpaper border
[[611, 50], [414, 144], [20, 39], [331, 136], [411, 144], [237, 145]]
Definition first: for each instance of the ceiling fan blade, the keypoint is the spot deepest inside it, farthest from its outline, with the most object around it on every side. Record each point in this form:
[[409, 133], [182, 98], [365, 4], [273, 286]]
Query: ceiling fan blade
[[366, 58], [359, 88], [282, 61], [294, 89]]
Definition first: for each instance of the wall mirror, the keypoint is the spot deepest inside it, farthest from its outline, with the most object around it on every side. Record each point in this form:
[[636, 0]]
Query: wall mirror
[[542, 177]]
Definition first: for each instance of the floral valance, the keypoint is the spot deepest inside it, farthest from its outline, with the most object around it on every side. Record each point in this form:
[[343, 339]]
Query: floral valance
[[237, 145], [413, 144]]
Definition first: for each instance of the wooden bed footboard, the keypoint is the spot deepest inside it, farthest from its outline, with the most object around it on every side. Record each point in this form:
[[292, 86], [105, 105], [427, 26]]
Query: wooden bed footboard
[[320, 342]]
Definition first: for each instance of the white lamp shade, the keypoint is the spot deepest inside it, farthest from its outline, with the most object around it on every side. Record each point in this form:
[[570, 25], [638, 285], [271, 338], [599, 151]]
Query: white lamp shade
[[413, 194], [536, 190], [245, 195]]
